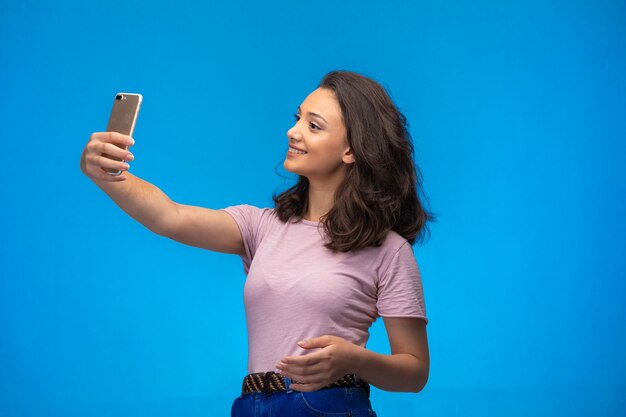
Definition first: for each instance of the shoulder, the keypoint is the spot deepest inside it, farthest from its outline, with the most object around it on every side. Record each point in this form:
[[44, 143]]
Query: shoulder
[[250, 210], [382, 256], [253, 218], [396, 250], [395, 242]]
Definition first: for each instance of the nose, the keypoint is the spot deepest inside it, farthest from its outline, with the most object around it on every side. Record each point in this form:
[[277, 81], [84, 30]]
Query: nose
[[294, 133]]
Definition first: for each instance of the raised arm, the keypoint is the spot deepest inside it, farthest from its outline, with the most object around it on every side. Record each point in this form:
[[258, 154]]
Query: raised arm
[[196, 226], [205, 228]]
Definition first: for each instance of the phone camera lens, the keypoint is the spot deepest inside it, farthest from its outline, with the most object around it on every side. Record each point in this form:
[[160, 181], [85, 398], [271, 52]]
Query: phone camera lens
[[119, 97]]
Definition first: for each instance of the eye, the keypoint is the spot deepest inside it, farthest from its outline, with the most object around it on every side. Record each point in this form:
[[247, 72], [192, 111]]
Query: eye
[[312, 125]]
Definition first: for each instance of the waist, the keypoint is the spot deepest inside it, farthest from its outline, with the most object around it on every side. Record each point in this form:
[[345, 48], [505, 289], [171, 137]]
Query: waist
[[267, 382]]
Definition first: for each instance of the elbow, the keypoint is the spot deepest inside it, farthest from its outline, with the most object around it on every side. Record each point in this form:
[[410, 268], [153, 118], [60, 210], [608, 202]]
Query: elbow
[[167, 225], [158, 228], [418, 388], [422, 378], [161, 231]]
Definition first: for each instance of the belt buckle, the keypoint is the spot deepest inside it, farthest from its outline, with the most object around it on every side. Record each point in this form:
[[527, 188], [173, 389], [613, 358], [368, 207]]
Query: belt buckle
[[267, 389]]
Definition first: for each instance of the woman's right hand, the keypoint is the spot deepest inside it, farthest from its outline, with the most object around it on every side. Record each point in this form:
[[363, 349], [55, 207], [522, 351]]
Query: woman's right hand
[[98, 154]]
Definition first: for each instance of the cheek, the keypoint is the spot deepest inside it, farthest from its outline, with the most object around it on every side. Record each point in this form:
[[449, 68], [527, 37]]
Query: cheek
[[323, 162], [326, 148]]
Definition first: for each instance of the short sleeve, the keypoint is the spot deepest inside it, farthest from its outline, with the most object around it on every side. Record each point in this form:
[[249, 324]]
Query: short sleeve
[[400, 291], [252, 222]]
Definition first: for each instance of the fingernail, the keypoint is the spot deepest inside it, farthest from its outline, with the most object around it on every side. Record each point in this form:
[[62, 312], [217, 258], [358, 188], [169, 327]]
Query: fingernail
[[130, 157], [130, 141], [126, 166]]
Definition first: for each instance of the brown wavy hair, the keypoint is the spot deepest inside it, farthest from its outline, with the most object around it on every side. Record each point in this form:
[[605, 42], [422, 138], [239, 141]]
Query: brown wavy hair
[[380, 190]]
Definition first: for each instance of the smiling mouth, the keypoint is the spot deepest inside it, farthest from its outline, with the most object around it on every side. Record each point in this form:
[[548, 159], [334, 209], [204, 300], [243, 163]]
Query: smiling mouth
[[296, 151]]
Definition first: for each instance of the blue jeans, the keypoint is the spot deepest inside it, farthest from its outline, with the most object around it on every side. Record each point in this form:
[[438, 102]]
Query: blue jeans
[[326, 402]]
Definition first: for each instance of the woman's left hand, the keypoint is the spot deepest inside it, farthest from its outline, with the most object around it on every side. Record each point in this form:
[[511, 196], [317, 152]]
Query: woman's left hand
[[316, 370]]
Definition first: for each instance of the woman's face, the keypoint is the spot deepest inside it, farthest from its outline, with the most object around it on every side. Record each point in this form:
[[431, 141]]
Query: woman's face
[[320, 132]]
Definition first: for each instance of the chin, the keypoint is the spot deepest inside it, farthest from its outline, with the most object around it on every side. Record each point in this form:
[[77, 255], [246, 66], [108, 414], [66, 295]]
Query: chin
[[286, 166]]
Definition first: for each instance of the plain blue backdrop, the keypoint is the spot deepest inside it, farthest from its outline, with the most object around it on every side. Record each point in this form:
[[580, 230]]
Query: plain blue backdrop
[[517, 114]]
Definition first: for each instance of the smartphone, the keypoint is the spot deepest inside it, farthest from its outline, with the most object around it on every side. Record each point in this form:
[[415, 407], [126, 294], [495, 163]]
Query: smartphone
[[122, 120]]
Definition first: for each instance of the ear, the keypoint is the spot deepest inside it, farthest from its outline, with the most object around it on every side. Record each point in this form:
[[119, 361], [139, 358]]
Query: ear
[[348, 157]]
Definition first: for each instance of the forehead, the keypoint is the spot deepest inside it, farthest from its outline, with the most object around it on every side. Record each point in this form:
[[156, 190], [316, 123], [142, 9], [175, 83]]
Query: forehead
[[324, 102]]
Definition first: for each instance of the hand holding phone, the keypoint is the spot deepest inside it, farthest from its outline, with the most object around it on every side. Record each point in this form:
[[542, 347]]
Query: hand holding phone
[[105, 155]]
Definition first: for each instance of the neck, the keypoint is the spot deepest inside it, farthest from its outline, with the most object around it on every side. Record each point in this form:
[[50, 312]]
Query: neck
[[321, 196]]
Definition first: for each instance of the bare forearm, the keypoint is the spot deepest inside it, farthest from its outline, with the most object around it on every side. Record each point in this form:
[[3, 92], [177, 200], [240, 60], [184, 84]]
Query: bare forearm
[[399, 372], [141, 200]]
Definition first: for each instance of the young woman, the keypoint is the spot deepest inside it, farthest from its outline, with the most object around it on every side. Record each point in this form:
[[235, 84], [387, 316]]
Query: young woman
[[333, 254]]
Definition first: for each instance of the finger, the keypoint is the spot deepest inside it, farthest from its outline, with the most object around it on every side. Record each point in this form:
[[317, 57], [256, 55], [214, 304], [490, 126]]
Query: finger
[[97, 147], [103, 162], [309, 378], [309, 359], [115, 151], [113, 137], [304, 370]]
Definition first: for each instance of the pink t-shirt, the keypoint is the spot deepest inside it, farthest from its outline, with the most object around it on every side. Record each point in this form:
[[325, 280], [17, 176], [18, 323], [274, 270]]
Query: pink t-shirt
[[297, 289]]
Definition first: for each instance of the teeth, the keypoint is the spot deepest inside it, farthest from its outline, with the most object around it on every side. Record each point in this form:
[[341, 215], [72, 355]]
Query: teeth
[[293, 150]]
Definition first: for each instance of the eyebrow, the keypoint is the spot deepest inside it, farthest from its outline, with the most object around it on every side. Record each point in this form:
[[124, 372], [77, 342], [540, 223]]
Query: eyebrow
[[312, 114]]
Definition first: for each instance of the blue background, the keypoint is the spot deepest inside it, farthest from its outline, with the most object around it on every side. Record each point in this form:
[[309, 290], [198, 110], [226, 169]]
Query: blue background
[[517, 113]]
